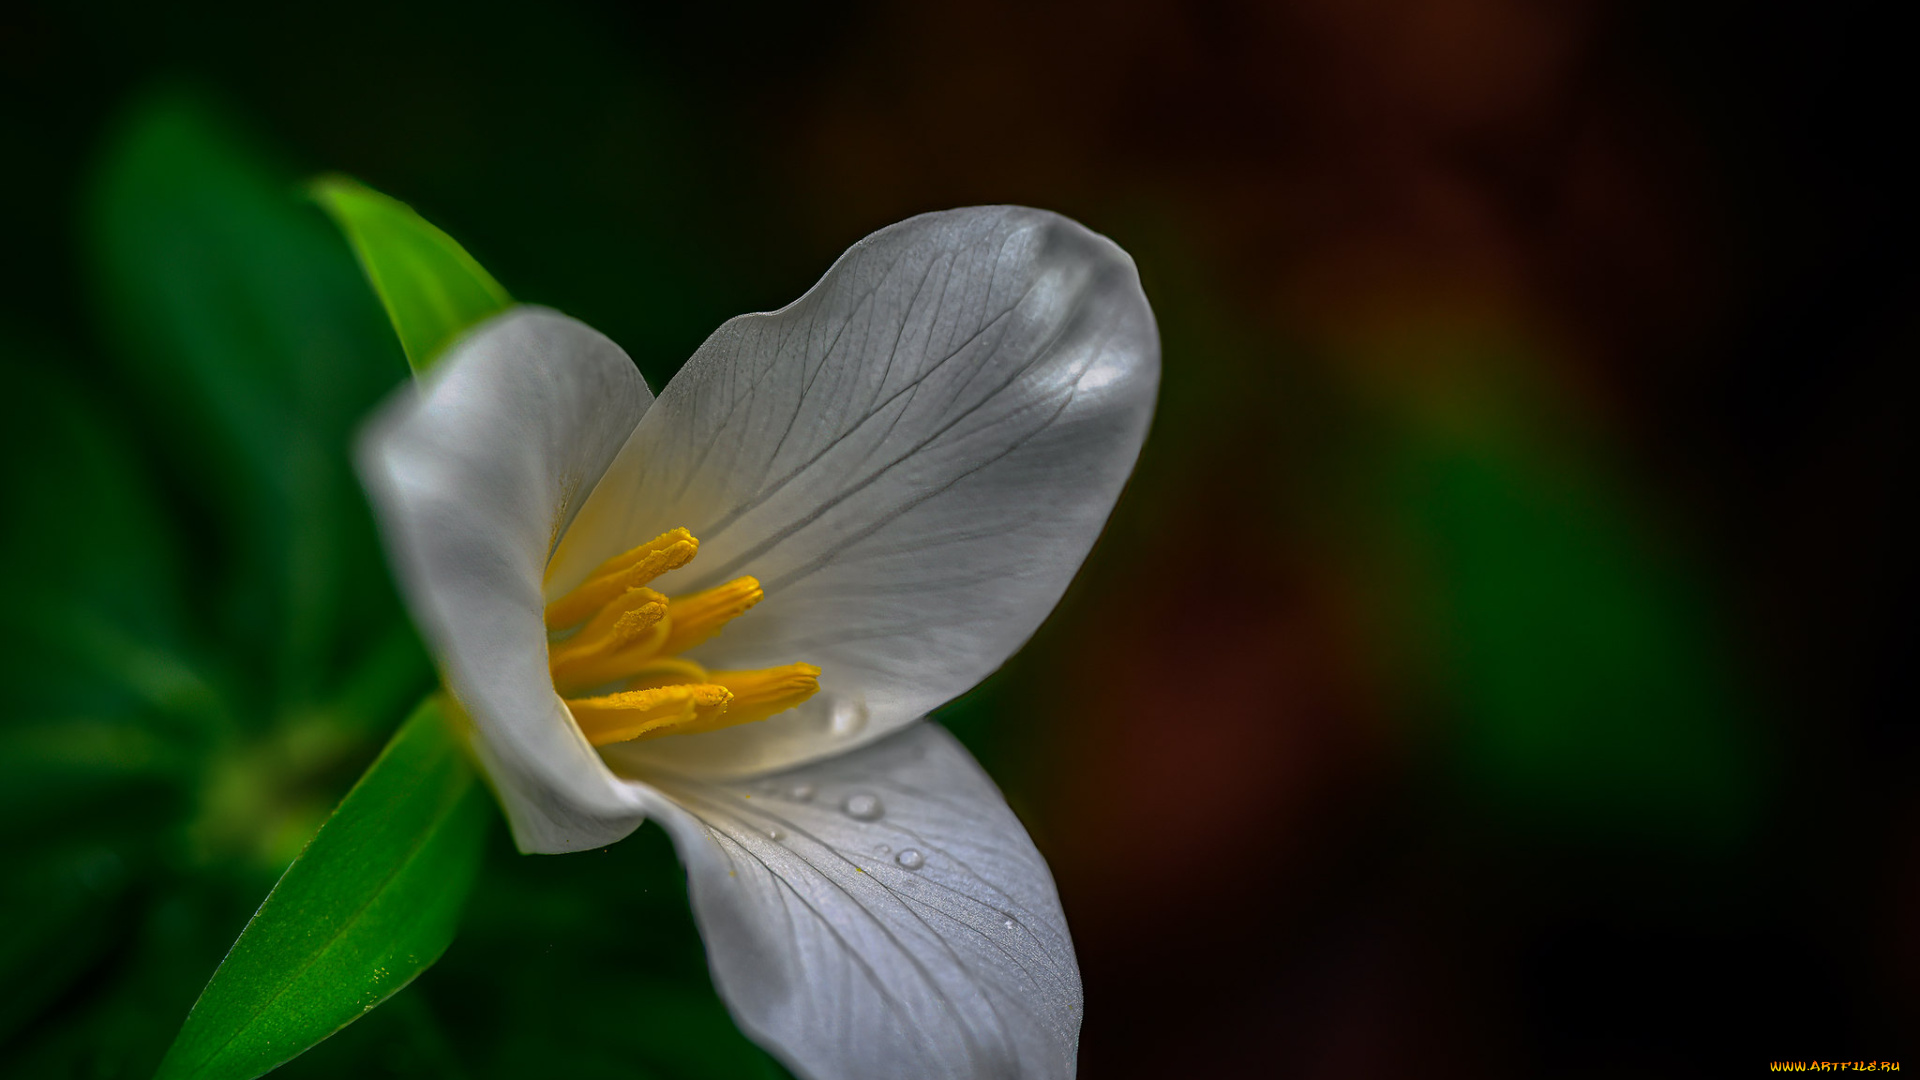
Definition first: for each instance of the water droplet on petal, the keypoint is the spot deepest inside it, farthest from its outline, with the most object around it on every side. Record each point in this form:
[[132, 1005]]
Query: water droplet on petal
[[849, 717], [1009, 924], [863, 807], [801, 793], [884, 849], [909, 859], [775, 833]]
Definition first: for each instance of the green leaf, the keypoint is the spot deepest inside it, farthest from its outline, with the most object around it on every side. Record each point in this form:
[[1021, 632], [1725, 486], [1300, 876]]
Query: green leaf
[[434, 291], [247, 353], [371, 903]]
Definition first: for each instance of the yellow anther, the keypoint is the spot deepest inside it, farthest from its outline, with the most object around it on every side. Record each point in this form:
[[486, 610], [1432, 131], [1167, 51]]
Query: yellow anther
[[766, 691], [631, 636], [623, 636], [695, 618], [668, 551], [638, 714]]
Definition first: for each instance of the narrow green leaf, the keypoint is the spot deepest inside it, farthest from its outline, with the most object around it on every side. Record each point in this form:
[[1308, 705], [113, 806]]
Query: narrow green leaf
[[432, 288], [371, 903]]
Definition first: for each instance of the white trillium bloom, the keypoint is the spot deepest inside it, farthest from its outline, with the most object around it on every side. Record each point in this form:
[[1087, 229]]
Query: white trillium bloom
[[905, 467]]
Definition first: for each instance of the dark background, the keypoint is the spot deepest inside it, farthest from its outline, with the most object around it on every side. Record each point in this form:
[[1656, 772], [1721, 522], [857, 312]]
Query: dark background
[[1491, 670]]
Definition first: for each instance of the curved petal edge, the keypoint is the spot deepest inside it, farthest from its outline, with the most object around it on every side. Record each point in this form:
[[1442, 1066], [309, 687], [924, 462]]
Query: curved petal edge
[[474, 475]]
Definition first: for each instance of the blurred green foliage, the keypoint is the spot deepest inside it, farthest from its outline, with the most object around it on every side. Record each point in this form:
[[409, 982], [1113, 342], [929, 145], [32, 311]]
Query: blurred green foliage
[[1581, 683], [204, 649], [1594, 688], [252, 339]]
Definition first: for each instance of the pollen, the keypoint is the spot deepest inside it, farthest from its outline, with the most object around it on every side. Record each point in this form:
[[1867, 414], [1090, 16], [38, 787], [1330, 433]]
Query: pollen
[[615, 648]]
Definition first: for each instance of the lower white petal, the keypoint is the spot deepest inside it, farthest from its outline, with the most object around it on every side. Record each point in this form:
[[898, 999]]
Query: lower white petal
[[473, 478], [880, 915]]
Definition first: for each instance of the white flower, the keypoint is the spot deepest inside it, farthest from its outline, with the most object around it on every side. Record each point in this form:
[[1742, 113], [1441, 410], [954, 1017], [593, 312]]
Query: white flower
[[904, 467]]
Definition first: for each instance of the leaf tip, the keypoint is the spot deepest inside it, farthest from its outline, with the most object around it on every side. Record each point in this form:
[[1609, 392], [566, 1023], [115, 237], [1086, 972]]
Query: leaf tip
[[432, 288]]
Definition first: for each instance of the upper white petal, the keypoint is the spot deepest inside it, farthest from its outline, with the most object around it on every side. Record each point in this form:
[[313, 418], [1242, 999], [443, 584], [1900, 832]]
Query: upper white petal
[[913, 458], [473, 478], [847, 964]]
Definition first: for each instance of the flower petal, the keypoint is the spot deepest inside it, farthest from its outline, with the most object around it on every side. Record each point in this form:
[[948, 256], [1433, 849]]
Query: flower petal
[[913, 459], [473, 479], [880, 915]]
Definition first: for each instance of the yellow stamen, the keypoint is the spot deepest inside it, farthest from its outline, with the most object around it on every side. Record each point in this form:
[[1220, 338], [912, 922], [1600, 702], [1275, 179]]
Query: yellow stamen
[[762, 693], [622, 637], [668, 551], [637, 714], [631, 636], [693, 619]]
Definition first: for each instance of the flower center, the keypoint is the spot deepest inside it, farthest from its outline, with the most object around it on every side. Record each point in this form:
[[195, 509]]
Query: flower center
[[616, 636]]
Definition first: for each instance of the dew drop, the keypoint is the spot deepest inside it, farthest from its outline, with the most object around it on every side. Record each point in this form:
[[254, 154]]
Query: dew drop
[[849, 717], [801, 793], [884, 849], [774, 833], [863, 807], [909, 859]]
